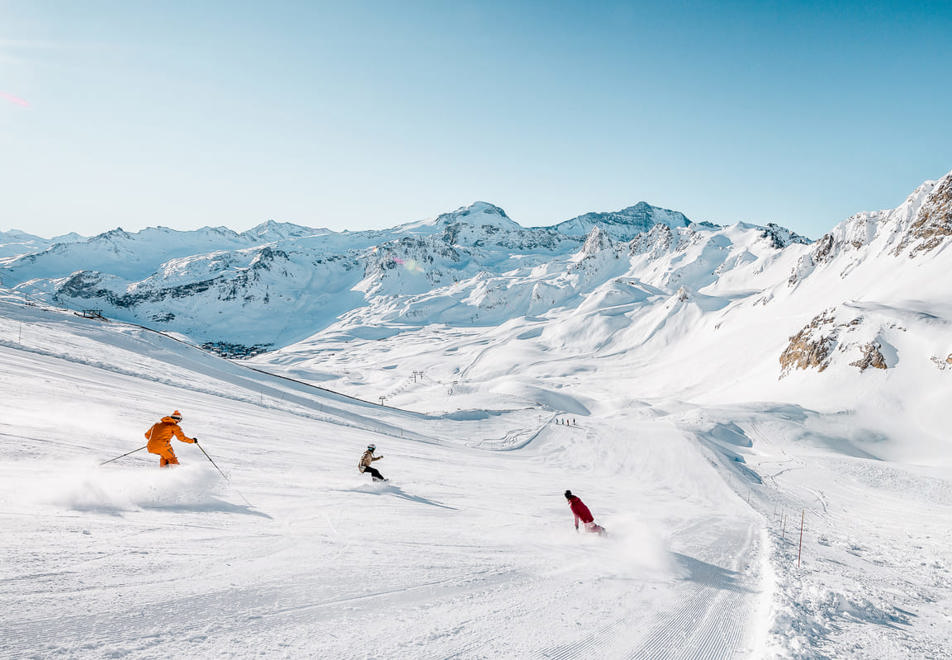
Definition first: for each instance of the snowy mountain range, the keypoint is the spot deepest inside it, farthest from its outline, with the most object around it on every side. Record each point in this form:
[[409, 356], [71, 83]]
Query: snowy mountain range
[[279, 283]]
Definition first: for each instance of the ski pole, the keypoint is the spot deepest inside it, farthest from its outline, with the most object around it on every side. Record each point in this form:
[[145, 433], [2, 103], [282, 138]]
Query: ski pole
[[212, 462], [223, 475], [124, 455]]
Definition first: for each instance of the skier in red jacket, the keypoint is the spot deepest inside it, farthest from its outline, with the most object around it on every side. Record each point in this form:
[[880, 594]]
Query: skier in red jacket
[[581, 512]]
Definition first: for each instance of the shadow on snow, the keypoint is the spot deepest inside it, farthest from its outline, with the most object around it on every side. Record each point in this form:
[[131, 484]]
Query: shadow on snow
[[709, 575], [397, 491], [214, 506]]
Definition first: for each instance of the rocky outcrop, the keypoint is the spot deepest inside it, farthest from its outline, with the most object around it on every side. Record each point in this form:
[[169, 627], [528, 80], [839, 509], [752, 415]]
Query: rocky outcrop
[[921, 224], [872, 357], [781, 237], [655, 243], [813, 346], [837, 334], [933, 223]]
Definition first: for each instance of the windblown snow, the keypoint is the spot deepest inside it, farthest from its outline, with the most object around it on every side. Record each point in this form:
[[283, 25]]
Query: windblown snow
[[709, 392]]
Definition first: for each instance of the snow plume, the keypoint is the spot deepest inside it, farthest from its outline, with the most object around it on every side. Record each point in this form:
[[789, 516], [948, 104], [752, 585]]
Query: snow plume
[[637, 548], [114, 490]]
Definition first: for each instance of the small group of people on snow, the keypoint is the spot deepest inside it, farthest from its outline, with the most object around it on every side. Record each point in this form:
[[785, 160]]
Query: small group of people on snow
[[160, 443]]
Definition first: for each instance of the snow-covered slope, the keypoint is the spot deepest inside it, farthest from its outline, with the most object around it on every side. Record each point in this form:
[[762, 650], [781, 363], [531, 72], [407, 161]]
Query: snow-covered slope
[[462, 553], [705, 389]]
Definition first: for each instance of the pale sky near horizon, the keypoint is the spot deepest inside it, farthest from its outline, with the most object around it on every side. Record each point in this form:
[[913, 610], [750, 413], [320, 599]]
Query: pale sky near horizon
[[365, 115]]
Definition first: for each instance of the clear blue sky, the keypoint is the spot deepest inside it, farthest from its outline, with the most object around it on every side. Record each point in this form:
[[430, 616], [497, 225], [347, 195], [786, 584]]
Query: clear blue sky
[[355, 115]]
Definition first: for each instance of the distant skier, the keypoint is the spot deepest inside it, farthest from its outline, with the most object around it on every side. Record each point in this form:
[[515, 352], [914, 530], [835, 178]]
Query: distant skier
[[365, 463], [160, 438], [581, 512]]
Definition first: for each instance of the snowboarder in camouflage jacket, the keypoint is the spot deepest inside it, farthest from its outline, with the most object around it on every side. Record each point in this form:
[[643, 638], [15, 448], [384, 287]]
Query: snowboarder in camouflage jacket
[[364, 465]]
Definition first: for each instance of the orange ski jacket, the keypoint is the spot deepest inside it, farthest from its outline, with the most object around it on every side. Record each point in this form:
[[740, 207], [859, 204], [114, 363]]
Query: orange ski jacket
[[160, 435]]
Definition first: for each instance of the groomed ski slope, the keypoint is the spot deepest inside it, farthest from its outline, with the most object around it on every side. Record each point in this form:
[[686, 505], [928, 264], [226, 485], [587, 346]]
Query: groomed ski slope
[[468, 551]]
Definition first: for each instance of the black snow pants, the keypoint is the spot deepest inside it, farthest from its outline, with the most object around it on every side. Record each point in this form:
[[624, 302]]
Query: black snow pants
[[373, 472]]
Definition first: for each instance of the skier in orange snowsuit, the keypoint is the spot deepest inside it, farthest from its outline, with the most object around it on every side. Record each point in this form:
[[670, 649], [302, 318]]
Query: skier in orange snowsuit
[[160, 439]]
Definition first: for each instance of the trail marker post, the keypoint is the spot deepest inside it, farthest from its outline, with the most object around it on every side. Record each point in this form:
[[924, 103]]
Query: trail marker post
[[800, 550]]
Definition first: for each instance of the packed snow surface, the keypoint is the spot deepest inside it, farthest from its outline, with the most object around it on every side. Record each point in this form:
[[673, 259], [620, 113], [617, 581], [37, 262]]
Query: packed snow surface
[[469, 549], [759, 422]]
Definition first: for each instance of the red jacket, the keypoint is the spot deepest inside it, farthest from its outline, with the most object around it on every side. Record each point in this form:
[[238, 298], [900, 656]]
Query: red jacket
[[581, 511]]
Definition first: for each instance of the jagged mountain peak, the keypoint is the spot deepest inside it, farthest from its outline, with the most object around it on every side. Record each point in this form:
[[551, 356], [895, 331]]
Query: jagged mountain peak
[[597, 240], [626, 223], [933, 221], [920, 225], [112, 234], [272, 230]]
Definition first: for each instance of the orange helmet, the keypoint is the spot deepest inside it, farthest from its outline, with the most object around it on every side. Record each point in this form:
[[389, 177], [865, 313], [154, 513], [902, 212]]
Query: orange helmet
[[177, 416]]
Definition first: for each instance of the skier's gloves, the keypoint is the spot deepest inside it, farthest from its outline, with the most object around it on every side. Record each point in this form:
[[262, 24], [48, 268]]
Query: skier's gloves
[[195, 440]]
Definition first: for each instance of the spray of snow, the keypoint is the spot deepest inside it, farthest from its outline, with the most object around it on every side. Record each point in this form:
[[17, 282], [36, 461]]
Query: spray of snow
[[82, 487]]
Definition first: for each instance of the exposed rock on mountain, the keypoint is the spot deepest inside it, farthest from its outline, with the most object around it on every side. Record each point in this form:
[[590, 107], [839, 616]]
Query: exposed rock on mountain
[[812, 347], [856, 335], [933, 223], [920, 224], [781, 237], [623, 225], [659, 240], [872, 357]]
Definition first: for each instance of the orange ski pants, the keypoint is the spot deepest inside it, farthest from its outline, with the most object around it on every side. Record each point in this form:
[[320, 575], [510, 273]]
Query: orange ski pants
[[166, 456]]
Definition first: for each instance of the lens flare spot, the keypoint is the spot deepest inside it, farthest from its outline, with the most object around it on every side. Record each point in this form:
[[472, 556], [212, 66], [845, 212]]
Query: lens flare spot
[[16, 100]]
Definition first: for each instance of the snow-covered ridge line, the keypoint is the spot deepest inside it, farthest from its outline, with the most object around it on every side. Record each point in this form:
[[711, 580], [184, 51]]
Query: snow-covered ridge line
[[279, 283]]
